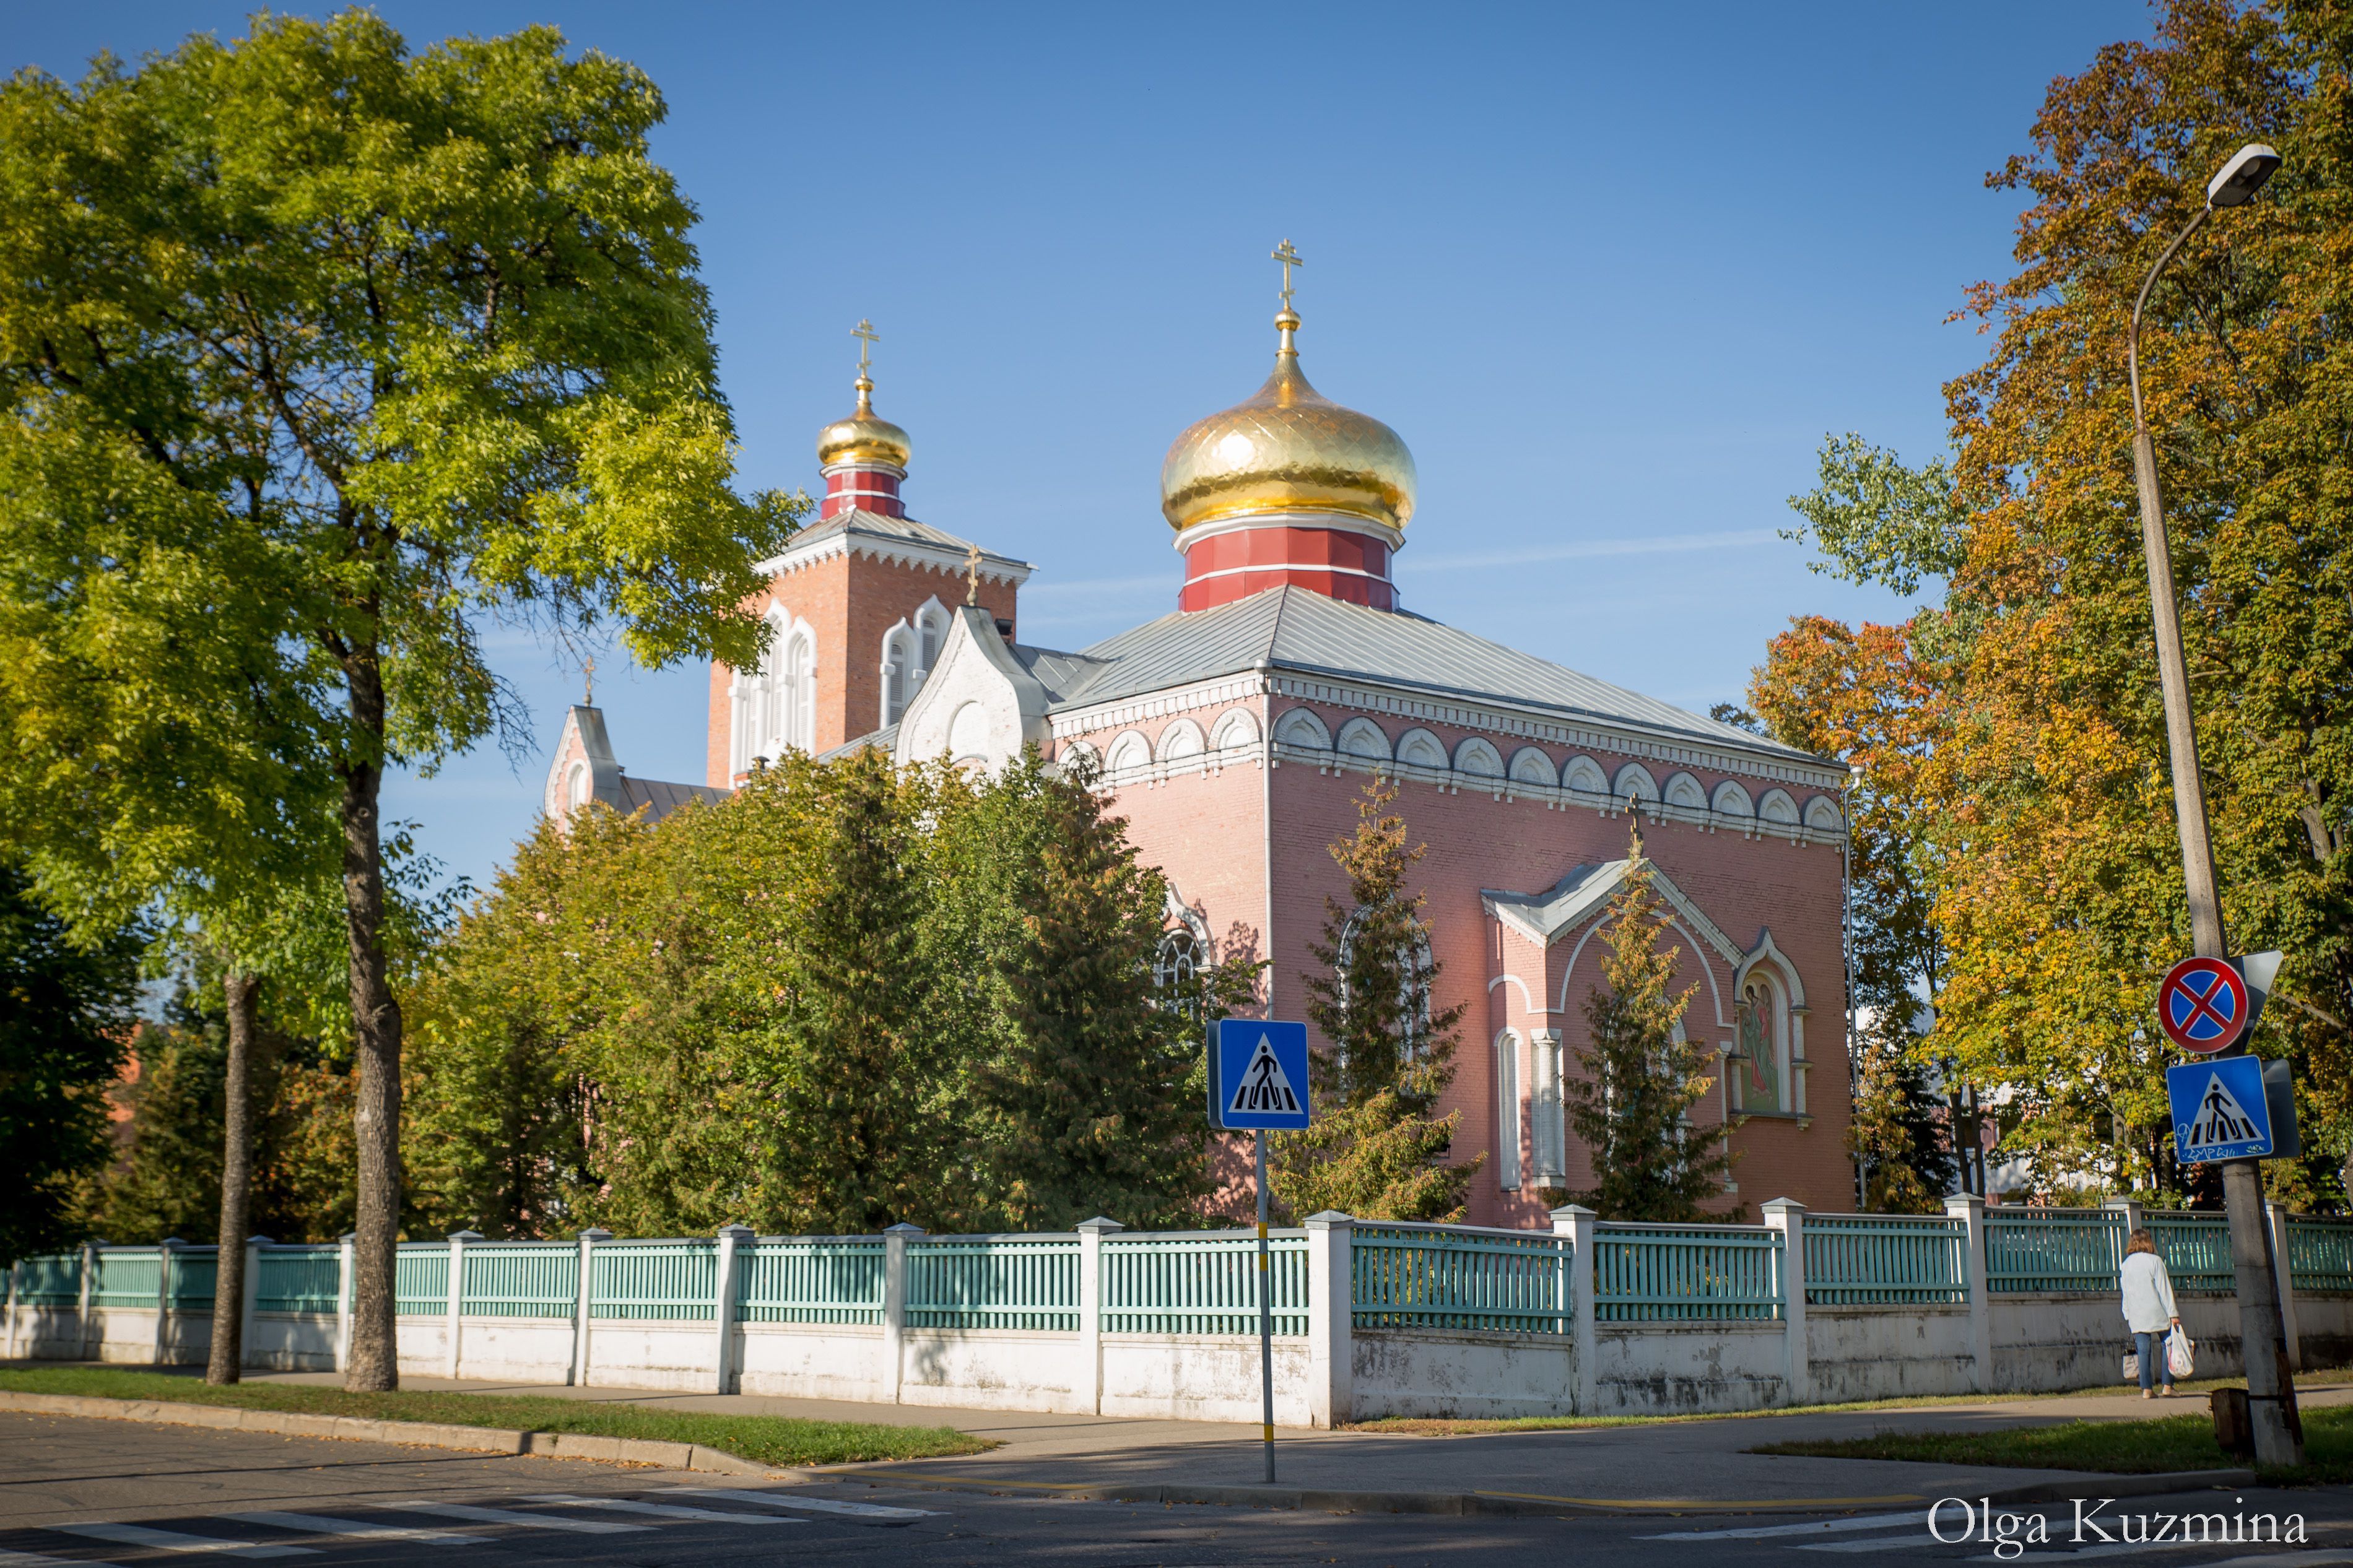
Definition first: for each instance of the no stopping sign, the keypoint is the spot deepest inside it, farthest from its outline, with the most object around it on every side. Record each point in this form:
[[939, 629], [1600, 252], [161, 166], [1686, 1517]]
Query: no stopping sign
[[2203, 1005]]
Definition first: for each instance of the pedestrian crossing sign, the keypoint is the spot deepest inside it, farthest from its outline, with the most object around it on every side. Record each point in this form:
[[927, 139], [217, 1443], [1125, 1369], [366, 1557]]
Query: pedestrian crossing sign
[[1258, 1075], [2220, 1111]]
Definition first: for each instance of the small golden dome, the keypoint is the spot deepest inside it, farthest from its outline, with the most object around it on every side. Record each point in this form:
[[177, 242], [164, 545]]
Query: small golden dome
[[1288, 449], [863, 437]]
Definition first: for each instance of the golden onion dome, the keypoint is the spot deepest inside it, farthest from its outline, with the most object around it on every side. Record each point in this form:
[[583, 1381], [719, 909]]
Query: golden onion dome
[[1289, 448], [863, 437]]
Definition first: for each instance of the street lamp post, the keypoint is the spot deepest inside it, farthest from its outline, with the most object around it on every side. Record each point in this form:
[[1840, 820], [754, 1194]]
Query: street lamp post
[[2270, 1393]]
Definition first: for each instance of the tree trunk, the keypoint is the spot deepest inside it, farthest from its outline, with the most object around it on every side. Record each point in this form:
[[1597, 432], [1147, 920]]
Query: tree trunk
[[374, 1363], [227, 1357]]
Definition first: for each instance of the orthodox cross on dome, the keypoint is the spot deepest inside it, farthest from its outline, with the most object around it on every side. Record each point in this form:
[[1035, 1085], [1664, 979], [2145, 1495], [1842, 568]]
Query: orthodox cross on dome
[[1290, 259], [972, 575], [866, 338], [589, 698]]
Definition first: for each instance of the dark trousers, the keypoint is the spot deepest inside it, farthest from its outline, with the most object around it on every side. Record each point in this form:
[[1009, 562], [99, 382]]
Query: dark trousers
[[2152, 1358]]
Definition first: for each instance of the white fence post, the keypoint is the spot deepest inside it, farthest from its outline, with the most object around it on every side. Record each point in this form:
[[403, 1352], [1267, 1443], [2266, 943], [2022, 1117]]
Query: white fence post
[[458, 1239], [84, 1322], [1331, 1319], [343, 1246], [1969, 1209], [168, 1257], [1090, 1235], [1575, 1221], [894, 1306], [583, 1297], [1788, 1217], [731, 1241], [253, 1246], [2285, 1275], [2130, 1209]]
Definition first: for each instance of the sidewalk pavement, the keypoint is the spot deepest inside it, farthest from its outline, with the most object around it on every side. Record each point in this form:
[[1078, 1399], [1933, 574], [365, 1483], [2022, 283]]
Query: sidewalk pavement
[[1700, 1466]]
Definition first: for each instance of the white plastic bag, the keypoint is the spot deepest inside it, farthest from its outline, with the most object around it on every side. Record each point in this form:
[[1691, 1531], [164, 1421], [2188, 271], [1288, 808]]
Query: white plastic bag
[[2132, 1367], [2180, 1354]]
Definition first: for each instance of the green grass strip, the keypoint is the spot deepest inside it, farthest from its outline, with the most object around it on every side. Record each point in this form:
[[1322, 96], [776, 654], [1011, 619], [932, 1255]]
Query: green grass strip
[[2120, 1447], [767, 1439]]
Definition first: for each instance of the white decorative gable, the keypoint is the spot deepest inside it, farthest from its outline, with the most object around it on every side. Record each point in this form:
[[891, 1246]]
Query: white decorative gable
[[978, 706]]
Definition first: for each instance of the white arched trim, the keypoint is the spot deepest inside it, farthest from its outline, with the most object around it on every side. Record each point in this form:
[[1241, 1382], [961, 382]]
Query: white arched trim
[[1634, 782], [1418, 748], [1179, 741], [1731, 800], [931, 625], [1530, 765], [1692, 945], [1175, 911], [1360, 737], [1077, 756], [1823, 815], [1766, 952], [1585, 775], [1527, 1000], [1303, 728], [1684, 791], [1130, 749], [1777, 809], [1478, 759], [1237, 731]]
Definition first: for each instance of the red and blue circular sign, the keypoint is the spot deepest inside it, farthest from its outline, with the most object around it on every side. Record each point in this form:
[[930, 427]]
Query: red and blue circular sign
[[2203, 1004]]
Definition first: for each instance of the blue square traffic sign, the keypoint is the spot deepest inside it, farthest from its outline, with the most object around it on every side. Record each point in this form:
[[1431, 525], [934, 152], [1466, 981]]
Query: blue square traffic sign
[[2219, 1109], [1258, 1075]]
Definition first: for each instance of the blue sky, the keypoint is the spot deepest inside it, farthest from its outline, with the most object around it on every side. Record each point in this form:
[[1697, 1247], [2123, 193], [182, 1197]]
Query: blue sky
[[1613, 272]]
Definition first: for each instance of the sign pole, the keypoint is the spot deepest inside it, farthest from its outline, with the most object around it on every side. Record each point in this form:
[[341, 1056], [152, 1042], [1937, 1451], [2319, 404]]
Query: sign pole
[[1265, 1319]]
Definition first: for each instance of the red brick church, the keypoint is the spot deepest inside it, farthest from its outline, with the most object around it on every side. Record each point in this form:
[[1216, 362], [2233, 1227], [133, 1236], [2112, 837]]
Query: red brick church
[[1236, 733]]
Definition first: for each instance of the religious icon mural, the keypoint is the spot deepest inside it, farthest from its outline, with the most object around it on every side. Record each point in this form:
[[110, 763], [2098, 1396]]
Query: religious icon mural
[[1760, 1079]]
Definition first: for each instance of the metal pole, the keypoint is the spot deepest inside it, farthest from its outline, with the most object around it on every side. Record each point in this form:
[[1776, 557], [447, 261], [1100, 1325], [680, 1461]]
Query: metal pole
[[2271, 1393], [1265, 1320]]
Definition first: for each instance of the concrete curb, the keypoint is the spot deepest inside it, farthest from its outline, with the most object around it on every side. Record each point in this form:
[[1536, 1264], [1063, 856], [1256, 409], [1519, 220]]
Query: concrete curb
[[1330, 1501], [419, 1434]]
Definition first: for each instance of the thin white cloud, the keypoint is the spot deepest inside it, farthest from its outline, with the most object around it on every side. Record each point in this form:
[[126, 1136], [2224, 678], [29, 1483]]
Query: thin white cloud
[[1587, 548]]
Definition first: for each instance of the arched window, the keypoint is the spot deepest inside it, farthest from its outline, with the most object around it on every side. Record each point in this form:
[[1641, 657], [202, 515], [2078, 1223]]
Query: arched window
[[900, 671], [1757, 1070], [1175, 971], [931, 633], [1414, 965], [1507, 1111], [794, 696], [578, 783]]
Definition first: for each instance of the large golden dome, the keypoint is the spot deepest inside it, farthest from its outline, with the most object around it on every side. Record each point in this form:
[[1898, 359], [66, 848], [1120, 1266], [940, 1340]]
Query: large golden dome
[[1289, 448], [864, 436]]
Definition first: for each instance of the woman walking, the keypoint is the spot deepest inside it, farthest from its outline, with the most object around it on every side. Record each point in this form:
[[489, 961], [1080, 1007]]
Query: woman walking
[[2148, 1308]]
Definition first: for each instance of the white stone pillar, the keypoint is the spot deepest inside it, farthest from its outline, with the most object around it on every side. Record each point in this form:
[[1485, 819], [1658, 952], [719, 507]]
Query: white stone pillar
[[253, 1246], [452, 1353], [1969, 1209], [85, 1324], [343, 1257], [1547, 1124], [1788, 1217], [894, 1306], [2130, 1209], [1331, 1319], [1575, 1222], [1091, 1369], [727, 1365], [2285, 1278], [584, 1298], [167, 1259]]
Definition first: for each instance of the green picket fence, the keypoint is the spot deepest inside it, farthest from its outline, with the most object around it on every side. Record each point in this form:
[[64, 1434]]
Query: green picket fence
[[1202, 1282], [2320, 1255], [673, 1281], [2196, 1247], [2045, 1251], [195, 1273], [1681, 1273], [521, 1279], [1455, 1277], [420, 1279], [1885, 1259], [296, 1279], [52, 1281], [992, 1282], [810, 1279], [127, 1277]]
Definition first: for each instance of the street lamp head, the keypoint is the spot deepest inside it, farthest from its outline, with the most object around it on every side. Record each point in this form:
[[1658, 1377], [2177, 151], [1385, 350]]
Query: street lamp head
[[2242, 176]]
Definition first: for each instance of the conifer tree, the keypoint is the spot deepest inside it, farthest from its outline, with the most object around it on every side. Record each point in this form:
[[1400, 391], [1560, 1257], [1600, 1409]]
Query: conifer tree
[[1376, 1149], [1629, 1106]]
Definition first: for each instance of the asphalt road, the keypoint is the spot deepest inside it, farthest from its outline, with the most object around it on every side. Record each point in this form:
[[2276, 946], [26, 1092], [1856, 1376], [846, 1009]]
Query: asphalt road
[[76, 1491]]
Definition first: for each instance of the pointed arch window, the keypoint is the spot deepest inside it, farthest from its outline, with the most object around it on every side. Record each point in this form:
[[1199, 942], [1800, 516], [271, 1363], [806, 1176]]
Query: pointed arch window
[[901, 672], [1762, 1051], [1414, 967], [795, 694]]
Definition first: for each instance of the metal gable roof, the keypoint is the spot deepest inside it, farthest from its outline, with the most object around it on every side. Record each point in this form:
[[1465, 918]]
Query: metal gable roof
[[1309, 632]]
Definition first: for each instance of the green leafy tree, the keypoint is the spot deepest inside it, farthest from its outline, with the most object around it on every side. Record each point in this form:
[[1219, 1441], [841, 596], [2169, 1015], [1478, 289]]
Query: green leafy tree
[[1377, 1148], [65, 1018], [378, 343], [1630, 1103]]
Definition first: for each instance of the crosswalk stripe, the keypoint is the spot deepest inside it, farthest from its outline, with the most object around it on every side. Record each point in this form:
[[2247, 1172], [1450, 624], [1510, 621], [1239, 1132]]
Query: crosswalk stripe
[[320, 1524], [1812, 1527], [173, 1540], [813, 1504], [658, 1510], [510, 1516], [34, 1560]]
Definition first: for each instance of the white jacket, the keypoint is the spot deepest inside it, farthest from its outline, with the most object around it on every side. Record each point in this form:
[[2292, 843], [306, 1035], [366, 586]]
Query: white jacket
[[2148, 1294]]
